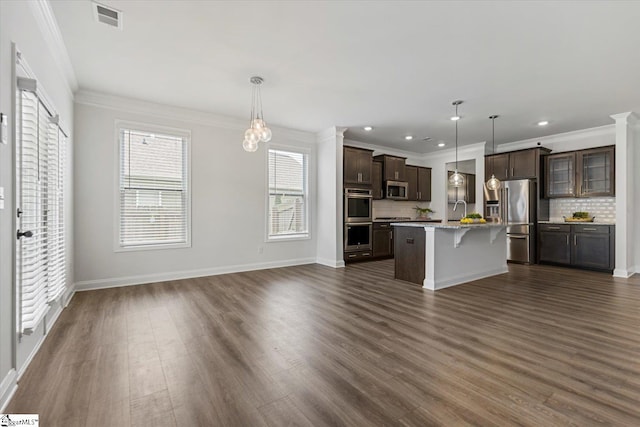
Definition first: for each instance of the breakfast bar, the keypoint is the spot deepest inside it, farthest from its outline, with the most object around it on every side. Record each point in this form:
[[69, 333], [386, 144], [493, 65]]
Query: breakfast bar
[[437, 256]]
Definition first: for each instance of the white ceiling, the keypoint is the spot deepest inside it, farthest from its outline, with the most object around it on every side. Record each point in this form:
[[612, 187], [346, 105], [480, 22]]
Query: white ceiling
[[393, 65]]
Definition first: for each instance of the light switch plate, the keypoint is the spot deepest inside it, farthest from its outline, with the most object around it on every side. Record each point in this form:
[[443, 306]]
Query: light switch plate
[[4, 128]]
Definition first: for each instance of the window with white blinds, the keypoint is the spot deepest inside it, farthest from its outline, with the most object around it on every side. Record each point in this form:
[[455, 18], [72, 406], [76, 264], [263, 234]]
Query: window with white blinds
[[153, 192], [40, 172], [288, 195]]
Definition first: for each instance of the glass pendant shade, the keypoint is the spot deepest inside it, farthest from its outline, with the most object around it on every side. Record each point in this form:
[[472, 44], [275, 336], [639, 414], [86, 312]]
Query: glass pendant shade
[[493, 183], [456, 179], [258, 130]]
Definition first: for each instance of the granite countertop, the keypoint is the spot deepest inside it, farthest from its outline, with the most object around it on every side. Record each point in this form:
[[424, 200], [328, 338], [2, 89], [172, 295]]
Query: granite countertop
[[406, 220], [450, 225], [562, 221]]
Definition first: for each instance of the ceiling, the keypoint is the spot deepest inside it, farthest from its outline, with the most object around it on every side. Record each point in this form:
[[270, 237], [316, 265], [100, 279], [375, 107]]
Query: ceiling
[[393, 65]]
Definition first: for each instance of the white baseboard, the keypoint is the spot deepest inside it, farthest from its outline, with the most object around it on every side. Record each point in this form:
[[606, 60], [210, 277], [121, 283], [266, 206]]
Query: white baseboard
[[625, 274], [457, 280], [114, 282], [330, 262], [35, 349], [8, 388]]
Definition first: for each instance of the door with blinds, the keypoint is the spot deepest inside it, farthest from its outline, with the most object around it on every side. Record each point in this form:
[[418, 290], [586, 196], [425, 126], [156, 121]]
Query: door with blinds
[[40, 166]]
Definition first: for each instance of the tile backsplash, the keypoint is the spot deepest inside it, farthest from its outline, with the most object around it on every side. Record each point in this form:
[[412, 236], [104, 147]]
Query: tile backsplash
[[603, 208], [396, 208]]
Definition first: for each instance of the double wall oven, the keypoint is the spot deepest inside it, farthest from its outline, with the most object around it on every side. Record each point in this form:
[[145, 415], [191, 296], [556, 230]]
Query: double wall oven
[[358, 223]]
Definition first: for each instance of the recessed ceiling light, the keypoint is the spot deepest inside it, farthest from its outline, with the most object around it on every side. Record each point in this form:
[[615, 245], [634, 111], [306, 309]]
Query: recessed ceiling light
[[441, 144], [543, 123], [368, 128], [408, 137], [454, 118]]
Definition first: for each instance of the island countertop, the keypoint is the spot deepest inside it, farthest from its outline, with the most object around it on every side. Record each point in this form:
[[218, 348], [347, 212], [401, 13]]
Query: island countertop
[[450, 224]]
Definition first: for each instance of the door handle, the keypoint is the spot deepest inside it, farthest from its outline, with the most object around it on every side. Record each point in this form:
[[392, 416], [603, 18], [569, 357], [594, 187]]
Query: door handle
[[27, 233], [517, 237]]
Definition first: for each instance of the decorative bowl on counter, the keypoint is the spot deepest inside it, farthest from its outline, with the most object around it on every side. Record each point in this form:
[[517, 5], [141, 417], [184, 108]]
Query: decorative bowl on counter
[[579, 217]]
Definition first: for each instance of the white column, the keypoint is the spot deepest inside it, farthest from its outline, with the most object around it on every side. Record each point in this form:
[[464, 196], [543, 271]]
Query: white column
[[329, 197], [626, 202]]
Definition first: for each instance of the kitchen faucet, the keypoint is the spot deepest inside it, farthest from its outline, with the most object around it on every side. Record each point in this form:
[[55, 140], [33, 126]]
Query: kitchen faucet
[[465, 206]]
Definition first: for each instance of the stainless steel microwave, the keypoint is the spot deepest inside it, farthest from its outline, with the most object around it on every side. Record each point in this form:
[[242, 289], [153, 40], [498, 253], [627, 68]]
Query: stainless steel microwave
[[396, 190]]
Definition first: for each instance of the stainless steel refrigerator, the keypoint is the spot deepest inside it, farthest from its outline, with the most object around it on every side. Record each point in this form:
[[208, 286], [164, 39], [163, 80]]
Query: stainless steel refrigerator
[[515, 205]]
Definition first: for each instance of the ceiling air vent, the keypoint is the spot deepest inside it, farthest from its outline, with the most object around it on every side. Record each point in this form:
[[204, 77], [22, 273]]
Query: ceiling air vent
[[107, 15]]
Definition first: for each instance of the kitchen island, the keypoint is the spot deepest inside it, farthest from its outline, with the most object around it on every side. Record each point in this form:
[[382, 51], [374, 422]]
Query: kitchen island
[[437, 256]]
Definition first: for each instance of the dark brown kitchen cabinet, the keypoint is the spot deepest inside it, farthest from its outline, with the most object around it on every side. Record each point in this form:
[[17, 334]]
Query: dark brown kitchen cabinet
[[561, 175], [382, 240], [589, 246], [498, 165], [554, 244], [357, 166], [376, 181], [595, 172], [393, 167], [419, 183], [470, 181], [520, 164], [583, 173]]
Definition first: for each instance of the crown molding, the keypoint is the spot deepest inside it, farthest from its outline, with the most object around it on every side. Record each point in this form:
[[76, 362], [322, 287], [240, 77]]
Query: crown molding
[[330, 134], [169, 112], [629, 116], [383, 149], [558, 137], [46, 21]]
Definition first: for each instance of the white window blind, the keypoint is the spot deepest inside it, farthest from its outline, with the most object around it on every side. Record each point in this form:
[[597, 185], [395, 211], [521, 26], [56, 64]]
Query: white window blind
[[40, 171], [288, 198], [154, 196]]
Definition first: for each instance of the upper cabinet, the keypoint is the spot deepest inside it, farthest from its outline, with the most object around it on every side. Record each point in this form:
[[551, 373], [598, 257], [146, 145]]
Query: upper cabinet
[[596, 172], [419, 180], [357, 166], [561, 175], [376, 181], [393, 167], [514, 165], [584, 173]]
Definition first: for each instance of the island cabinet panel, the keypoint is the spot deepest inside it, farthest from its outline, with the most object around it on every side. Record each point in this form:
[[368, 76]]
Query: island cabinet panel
[[409, 249], [411, 173], [376, 181], [382, 240], [393, 167], [357, 166]]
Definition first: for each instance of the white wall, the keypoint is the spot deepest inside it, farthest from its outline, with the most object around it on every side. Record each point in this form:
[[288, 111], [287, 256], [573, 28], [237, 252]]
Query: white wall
[[228, 198], [23, 23]]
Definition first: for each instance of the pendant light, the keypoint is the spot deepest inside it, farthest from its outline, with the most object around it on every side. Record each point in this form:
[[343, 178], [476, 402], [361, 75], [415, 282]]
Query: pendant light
[[258, 130], [493, 183], [456, 179]]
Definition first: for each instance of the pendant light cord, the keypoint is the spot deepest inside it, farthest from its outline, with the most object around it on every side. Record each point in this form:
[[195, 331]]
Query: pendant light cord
[[457, 138]]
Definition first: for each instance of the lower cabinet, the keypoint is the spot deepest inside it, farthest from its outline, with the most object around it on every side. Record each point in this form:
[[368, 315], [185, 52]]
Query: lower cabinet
[[584, 246], [382, 240]]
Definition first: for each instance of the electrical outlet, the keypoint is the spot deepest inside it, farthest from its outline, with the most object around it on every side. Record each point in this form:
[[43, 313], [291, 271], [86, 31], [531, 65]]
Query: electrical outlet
[[260, 250]]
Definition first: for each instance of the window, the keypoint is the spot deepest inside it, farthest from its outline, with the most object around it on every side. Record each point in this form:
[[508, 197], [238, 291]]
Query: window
[[40, 176], [288, 195], [153, 194]]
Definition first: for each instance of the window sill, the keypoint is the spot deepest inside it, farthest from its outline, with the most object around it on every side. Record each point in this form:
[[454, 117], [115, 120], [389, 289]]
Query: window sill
[[288, 238], [152, 247]]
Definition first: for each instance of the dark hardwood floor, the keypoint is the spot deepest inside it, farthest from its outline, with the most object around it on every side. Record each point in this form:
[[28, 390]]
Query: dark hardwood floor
[[312, 345]]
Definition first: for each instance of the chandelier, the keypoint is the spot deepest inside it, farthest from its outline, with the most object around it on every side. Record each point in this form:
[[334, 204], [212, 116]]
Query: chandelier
[[258, 130]]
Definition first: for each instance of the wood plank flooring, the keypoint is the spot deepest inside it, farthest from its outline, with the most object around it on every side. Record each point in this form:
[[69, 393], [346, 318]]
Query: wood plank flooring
[[312, 345]]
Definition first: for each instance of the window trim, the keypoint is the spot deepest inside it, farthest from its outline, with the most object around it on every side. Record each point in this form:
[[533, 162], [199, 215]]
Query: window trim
[[151, 128], [288, 237]]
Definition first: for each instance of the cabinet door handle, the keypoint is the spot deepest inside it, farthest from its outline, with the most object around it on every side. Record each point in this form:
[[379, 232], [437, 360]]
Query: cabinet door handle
[[419, 195], [512, 174], [381, 194], [567, 239], [590, 229], [575, 240], [396, 174], [553, 228], [506, 173], [359, 176]]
